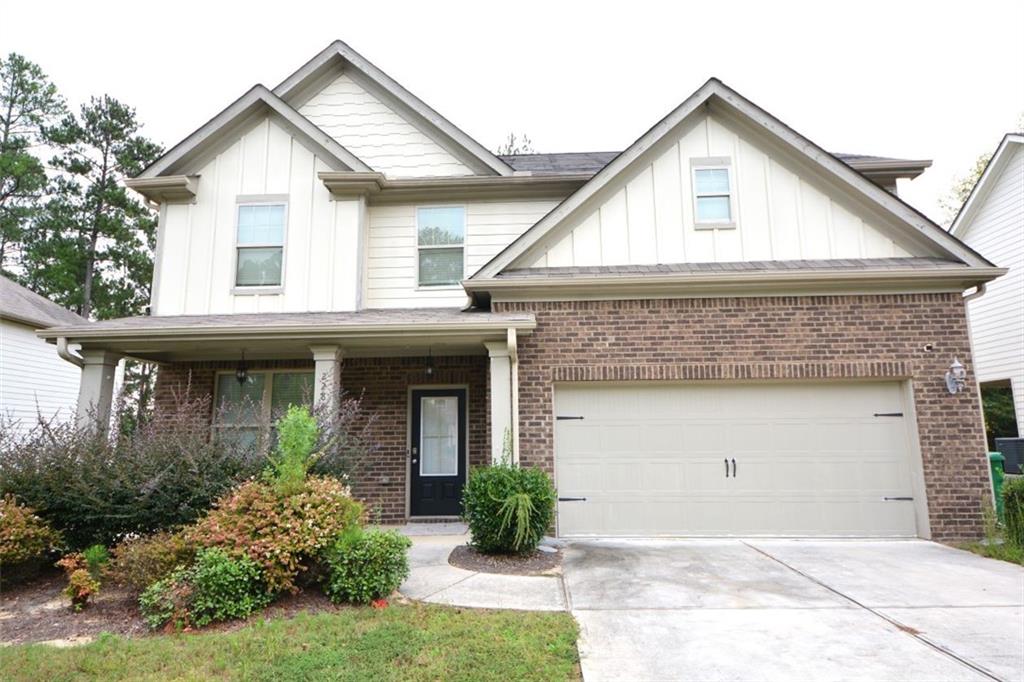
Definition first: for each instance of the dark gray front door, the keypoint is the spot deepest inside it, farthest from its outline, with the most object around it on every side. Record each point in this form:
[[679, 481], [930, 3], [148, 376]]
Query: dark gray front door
[[438, 461]]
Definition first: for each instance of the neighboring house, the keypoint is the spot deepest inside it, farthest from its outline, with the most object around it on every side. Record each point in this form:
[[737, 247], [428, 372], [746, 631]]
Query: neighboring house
[[722, 330], [991, 222], [34, 381]]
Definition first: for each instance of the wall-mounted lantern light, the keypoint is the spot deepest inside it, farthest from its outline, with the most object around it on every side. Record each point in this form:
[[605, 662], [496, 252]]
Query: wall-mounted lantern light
[[242, 371], [955, 376]]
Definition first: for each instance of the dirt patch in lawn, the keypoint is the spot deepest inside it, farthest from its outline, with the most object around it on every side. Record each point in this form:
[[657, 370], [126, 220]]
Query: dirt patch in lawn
[[36, 611], [534, 563]]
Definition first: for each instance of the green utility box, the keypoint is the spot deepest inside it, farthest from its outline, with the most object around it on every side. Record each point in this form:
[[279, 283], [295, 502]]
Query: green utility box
[[996, 460]]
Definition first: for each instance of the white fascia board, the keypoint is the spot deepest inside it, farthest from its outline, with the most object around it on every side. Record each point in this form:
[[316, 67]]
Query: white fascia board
[[882, 200], [983, 186], [242, 109], [414, 106]]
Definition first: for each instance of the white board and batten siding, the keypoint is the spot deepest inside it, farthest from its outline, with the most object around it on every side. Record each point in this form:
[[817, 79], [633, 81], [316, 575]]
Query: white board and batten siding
[[33, 379], [392, 249], [648, 216], [359, 121], [996, 231], [196, 250]]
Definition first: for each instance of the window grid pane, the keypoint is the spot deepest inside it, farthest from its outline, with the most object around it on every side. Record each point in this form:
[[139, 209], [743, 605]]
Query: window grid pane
[[240, 404], [290, 388], [439, 436], [440, 266], [712, 181], [263, 224], [259, 266], [713, 209], [441, 226]]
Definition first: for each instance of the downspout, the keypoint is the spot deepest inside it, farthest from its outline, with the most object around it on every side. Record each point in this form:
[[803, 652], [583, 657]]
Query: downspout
[[979, 291], [65, 353], [513, 356]]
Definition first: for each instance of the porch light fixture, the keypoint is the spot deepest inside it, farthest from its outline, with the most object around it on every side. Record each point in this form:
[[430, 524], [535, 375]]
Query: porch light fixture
[[242, 371], [956, 376], [430, 363]]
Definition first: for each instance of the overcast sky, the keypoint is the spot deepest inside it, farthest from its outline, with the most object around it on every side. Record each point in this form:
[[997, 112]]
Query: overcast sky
[[939, 80]]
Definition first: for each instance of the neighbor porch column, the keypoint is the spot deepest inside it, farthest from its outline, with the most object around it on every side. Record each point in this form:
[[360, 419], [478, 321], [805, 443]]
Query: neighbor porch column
[[96, 389], [501, 396], [327, 378]]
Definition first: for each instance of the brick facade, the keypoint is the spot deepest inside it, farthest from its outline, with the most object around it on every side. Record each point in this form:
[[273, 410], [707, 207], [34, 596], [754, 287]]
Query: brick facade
[[796, 338], [384, 386]]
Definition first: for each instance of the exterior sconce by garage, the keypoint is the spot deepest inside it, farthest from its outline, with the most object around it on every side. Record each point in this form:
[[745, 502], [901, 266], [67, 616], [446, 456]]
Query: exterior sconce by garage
[[955, 377]]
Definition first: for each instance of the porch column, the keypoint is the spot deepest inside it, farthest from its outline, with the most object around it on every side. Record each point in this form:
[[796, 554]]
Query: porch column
[[96, 388], [327, 378], [501, 397]]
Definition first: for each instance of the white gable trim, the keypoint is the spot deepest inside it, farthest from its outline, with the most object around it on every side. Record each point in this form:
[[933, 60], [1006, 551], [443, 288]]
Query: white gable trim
[[241, 111], [900, 214], [982, 188], [461, 145]]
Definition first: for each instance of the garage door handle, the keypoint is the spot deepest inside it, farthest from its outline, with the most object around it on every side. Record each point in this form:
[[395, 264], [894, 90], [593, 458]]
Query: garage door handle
[[897, 499], [734, 468], [572, 499]]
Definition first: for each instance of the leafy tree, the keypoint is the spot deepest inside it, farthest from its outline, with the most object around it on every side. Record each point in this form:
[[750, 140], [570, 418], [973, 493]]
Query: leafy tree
[[92, 247], [516, 144], [28, 103]]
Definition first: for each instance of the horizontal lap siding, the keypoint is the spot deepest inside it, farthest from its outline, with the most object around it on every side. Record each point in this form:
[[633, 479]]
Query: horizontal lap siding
[[382, 384], [34, 381], [795, 338]]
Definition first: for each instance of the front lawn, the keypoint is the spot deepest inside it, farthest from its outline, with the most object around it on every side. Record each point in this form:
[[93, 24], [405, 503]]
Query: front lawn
[[1003, 551], [414, 642]]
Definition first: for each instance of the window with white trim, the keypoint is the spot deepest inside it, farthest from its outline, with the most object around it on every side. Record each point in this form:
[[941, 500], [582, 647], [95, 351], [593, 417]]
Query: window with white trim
[[440, 236], [246, 409], [259, 243], [713, 193]]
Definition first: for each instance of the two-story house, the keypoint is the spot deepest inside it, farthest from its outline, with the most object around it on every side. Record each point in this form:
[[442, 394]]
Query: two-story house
[[722, 330]]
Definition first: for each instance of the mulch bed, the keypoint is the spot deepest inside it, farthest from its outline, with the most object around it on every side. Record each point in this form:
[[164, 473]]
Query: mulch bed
[[534, 563]]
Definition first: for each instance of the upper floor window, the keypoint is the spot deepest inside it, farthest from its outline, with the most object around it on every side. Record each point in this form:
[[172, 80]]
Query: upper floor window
[[713, 193], [260, 244], [441, 233]]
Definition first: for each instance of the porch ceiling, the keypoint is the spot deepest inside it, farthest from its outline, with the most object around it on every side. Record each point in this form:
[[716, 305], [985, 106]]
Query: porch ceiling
[[367, 333]]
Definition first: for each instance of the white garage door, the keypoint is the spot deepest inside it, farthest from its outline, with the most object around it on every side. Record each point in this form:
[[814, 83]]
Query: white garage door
[[827, 459]]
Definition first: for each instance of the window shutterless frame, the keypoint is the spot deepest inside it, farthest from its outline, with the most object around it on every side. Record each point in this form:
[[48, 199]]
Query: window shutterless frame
[[266, 400], [259, 200], [440, 247], [719, 163]]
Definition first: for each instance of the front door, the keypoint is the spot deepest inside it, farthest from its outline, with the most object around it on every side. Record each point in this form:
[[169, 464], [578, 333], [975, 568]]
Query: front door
[[438, 451]]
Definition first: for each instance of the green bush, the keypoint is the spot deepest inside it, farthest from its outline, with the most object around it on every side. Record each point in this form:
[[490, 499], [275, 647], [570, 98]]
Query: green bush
[[141, 561], [24, 536], [366, 565], [508, 509], [283, 534], [1013, 507], [297, 435], [96, 559], [216, 587]]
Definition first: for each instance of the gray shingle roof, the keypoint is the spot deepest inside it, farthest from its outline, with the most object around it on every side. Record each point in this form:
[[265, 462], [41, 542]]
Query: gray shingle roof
[[591, 162], [397, 318], [748, 266], [19, 304]]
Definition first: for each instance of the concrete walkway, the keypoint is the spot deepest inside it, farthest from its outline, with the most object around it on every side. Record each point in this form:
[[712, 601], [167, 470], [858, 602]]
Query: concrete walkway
[[432, 579]]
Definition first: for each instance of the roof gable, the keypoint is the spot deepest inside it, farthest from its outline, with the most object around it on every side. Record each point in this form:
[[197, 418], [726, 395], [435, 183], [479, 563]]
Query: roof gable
[[1011, 144], [240, 114], [337, 59], [916, 233]]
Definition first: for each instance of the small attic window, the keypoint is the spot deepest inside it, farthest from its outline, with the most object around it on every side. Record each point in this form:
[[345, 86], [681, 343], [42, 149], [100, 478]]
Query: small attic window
[[713, 193]]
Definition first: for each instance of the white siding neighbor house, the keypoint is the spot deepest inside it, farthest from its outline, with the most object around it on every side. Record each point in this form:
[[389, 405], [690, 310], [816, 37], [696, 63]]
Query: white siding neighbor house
[[34, 380], [723, 329], [992, 223]]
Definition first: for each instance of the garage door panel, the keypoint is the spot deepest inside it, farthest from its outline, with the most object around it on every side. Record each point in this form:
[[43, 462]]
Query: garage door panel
[[811, 459]]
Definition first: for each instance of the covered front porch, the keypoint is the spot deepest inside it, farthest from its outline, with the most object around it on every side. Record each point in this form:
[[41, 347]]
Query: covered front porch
[[437, 386]]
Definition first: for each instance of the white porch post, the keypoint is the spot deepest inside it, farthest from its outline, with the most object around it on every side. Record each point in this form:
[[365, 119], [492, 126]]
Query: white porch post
[[501, 396], [96, 389], [327, 378]]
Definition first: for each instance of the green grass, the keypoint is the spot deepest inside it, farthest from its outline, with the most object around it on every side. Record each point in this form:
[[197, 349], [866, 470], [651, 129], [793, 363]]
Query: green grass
[[416, 642], [1002, 551]]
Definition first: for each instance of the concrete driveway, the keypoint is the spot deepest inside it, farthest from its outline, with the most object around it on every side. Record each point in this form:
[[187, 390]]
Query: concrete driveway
[[793, 610]]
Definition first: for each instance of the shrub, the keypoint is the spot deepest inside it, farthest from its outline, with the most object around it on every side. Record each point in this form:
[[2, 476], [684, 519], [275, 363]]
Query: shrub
[[216, 587], [23, 535], [141, 561], [366, 565], [96, 559], [283, 534], [82, 584], [508, 509], [96, 489], [1013, 507], [297, 434]]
